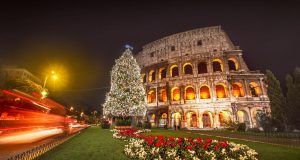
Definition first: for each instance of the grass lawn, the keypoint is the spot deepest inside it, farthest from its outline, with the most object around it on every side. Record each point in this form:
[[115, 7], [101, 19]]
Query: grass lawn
[[96, 143], [93, 144]]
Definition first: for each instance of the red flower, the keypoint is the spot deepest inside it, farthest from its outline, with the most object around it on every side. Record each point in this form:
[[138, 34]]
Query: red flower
[[208, 140], [171, 138], [206, 145], [216, 147], [159, 144], [223, 144], [189, 147], [199, 140]]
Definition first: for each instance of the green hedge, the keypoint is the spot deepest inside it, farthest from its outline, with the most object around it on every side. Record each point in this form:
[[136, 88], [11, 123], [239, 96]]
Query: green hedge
[[123, 122]]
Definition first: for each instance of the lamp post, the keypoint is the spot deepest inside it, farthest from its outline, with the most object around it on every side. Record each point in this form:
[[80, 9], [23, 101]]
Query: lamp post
[[54, 77]]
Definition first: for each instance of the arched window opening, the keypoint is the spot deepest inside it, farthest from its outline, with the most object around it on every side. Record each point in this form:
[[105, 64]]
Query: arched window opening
[[191, 119], [163, 120], [152, 76], [189, 93], [204, 92], [202, 68], [258, 117], [176, 119], [224, 118], [217, 65], [175, 94], [237, 90], [207, 119], [151, 96], [188, 69], [232, 65], [174, 71], [162, 73], [163, 95], [255, 90], [152, 119], [242, 116], [220, 90]]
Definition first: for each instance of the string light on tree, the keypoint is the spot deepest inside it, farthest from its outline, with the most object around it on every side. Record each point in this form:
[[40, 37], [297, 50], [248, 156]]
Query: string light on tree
[[126, 95]]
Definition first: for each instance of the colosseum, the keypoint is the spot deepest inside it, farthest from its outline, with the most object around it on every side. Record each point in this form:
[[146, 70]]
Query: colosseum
[[199, 79]]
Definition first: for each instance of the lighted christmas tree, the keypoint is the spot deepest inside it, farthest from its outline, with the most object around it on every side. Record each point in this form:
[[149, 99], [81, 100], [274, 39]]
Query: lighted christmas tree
[[126, 95]]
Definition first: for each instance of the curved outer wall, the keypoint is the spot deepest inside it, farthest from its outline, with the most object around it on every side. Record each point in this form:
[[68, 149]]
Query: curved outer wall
[[199, 79]]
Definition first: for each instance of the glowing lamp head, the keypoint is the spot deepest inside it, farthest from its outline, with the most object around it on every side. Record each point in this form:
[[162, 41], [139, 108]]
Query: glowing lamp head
[[55, 77], [44, 93]]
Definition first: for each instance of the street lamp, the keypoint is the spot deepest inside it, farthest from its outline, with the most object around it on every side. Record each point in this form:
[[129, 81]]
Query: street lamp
[[54, 76]]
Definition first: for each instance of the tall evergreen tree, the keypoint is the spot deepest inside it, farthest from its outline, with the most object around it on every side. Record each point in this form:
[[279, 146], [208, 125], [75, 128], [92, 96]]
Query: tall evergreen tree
[[126, 96], [277, 101], [293, 98]]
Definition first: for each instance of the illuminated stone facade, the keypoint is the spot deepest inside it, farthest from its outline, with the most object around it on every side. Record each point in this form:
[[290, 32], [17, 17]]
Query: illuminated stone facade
[[199, 79]]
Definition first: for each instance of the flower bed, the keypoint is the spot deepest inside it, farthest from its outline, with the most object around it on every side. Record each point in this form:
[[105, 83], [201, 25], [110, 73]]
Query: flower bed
[[123, 127], [170, 148]]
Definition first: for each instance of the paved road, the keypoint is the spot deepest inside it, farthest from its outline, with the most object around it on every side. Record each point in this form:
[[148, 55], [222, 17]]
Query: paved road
[[7, 151]]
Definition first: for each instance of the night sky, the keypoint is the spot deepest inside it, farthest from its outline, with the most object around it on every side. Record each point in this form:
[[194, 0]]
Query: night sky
[[85, 38]]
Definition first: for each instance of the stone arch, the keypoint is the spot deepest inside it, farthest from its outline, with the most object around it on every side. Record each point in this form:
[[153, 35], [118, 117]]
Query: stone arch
[[207, 119], [176, 119], [163, 119], [202, 67], [238, 89], [217, 65], [189, 93], [256, 116], [152, 118], [225, 118], [174, 71], [162, 95], [151, 77], [188, 68], [221, 91], [233, 64], [255, 89], [162, 73], [151, 97], [242, 116], [191, 119], [175, 94], [204, 92]]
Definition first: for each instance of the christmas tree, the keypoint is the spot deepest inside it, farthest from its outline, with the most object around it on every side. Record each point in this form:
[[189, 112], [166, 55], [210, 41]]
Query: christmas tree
[[126, 97]]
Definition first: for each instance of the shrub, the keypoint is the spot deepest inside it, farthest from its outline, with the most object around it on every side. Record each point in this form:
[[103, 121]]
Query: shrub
[[105, 124], [147, 125], [139, 124], [165, 126], [123, 122], [241, 127], [256, 130]]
